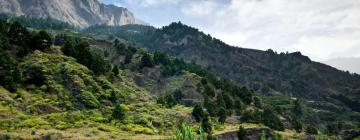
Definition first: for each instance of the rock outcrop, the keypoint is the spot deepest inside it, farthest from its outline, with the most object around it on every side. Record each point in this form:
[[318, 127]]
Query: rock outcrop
[[81, 13]]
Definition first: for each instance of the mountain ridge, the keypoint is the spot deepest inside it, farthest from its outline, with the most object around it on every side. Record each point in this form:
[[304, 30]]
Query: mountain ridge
[[80, 13], [267, 72]]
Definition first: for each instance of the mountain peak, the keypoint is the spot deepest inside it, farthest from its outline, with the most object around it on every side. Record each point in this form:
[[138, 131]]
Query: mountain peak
[[81, 13]]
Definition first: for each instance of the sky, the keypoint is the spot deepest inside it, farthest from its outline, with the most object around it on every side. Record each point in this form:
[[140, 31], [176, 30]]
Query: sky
[[320, 29]]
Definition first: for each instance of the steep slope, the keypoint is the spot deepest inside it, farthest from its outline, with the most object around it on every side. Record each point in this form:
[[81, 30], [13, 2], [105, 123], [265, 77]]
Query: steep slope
[[81, 13], [267, 72]]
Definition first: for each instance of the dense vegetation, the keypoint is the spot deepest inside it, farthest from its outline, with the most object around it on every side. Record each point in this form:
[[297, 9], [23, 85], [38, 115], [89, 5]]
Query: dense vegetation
[[68, 81]]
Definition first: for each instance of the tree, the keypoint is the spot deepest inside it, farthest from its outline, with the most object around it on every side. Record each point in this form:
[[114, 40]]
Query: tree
[[222, 115], [332, 129], [161, 58], [205, 123], [257, 102], [18, 34], [209, 91], [119, 112], [170, 101], [178, 95], [241, 133], [297, 125], [271, 120], [238, 107], [311, 130], [298, 109], [198, 113], [115, 70], [41, 41], [146, 61]]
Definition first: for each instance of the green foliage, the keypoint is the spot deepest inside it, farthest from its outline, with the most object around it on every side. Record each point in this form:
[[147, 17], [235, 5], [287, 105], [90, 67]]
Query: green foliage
[[333, 129], [252, 116], [198, 113], [257, 102], [168, 101], [115, 70], [271, 120], [146, 61], [297, 125], [41, 41], [178, 95], [18, 34], [298, 109], [222, 115], [311, 130], [241, 133], [89, 100], [85, 56], [37, 23], [263, 136], [119, 112], [184, 132], [206, 124]]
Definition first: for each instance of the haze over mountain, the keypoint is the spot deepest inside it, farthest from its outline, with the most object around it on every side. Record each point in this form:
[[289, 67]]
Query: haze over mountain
[[81, 13], [351, 64]]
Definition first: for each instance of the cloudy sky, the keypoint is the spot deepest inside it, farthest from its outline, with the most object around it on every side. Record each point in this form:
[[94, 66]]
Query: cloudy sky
[[321, 29]]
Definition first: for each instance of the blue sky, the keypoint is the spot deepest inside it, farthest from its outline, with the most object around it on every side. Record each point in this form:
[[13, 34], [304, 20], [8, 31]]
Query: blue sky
[[321, 29]]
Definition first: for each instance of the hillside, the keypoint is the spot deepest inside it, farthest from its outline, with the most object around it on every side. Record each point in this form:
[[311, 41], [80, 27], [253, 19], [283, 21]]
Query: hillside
[[60, 84], [80, 13], [267, 72]]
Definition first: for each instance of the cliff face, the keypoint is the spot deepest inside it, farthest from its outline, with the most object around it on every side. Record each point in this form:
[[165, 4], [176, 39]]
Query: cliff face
[[82, 13]]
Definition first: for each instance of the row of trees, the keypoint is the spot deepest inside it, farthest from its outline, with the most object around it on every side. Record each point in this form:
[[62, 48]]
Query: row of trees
[[83, 54], [16, 42]]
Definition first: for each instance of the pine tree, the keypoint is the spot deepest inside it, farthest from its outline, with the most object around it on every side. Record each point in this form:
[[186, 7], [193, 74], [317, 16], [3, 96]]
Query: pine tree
[[222, 115], [198, 113], [115, 70], [119, 112], [146, 61], [241, 133]]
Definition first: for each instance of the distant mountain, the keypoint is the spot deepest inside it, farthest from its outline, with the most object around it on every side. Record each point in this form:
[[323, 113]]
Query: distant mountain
[[351, 64], [81, 13], [266, 72]]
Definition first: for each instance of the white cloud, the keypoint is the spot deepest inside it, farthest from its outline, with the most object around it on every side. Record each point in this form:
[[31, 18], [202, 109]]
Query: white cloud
[[322, 29], [199, 8], [149, 3], [319, 28]]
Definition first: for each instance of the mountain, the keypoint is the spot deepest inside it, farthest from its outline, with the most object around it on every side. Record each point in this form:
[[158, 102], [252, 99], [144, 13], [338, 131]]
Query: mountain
[[351, 64], [58, 83], [81, 13], [267, 72]]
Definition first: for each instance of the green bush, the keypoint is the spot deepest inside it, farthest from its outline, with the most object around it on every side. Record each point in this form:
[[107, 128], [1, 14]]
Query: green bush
[[311, 130], [184, 132], [198, 113], [119, 112], [241, 133]]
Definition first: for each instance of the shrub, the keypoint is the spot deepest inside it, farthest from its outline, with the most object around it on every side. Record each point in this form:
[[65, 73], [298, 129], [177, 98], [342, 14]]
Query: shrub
[[297, 125], [198, 113], [184, 132], [311, 130], [241, 133], [146, 61], [89, 100], [222, 115], [119, 112], [205, 123], [271, 120]]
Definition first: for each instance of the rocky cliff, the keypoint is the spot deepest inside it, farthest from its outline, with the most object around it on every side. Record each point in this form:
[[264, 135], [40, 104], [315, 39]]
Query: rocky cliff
[[81, 13]]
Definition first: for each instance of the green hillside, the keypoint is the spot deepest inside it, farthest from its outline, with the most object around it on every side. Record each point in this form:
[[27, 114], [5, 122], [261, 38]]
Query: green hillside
[[59, 84]]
